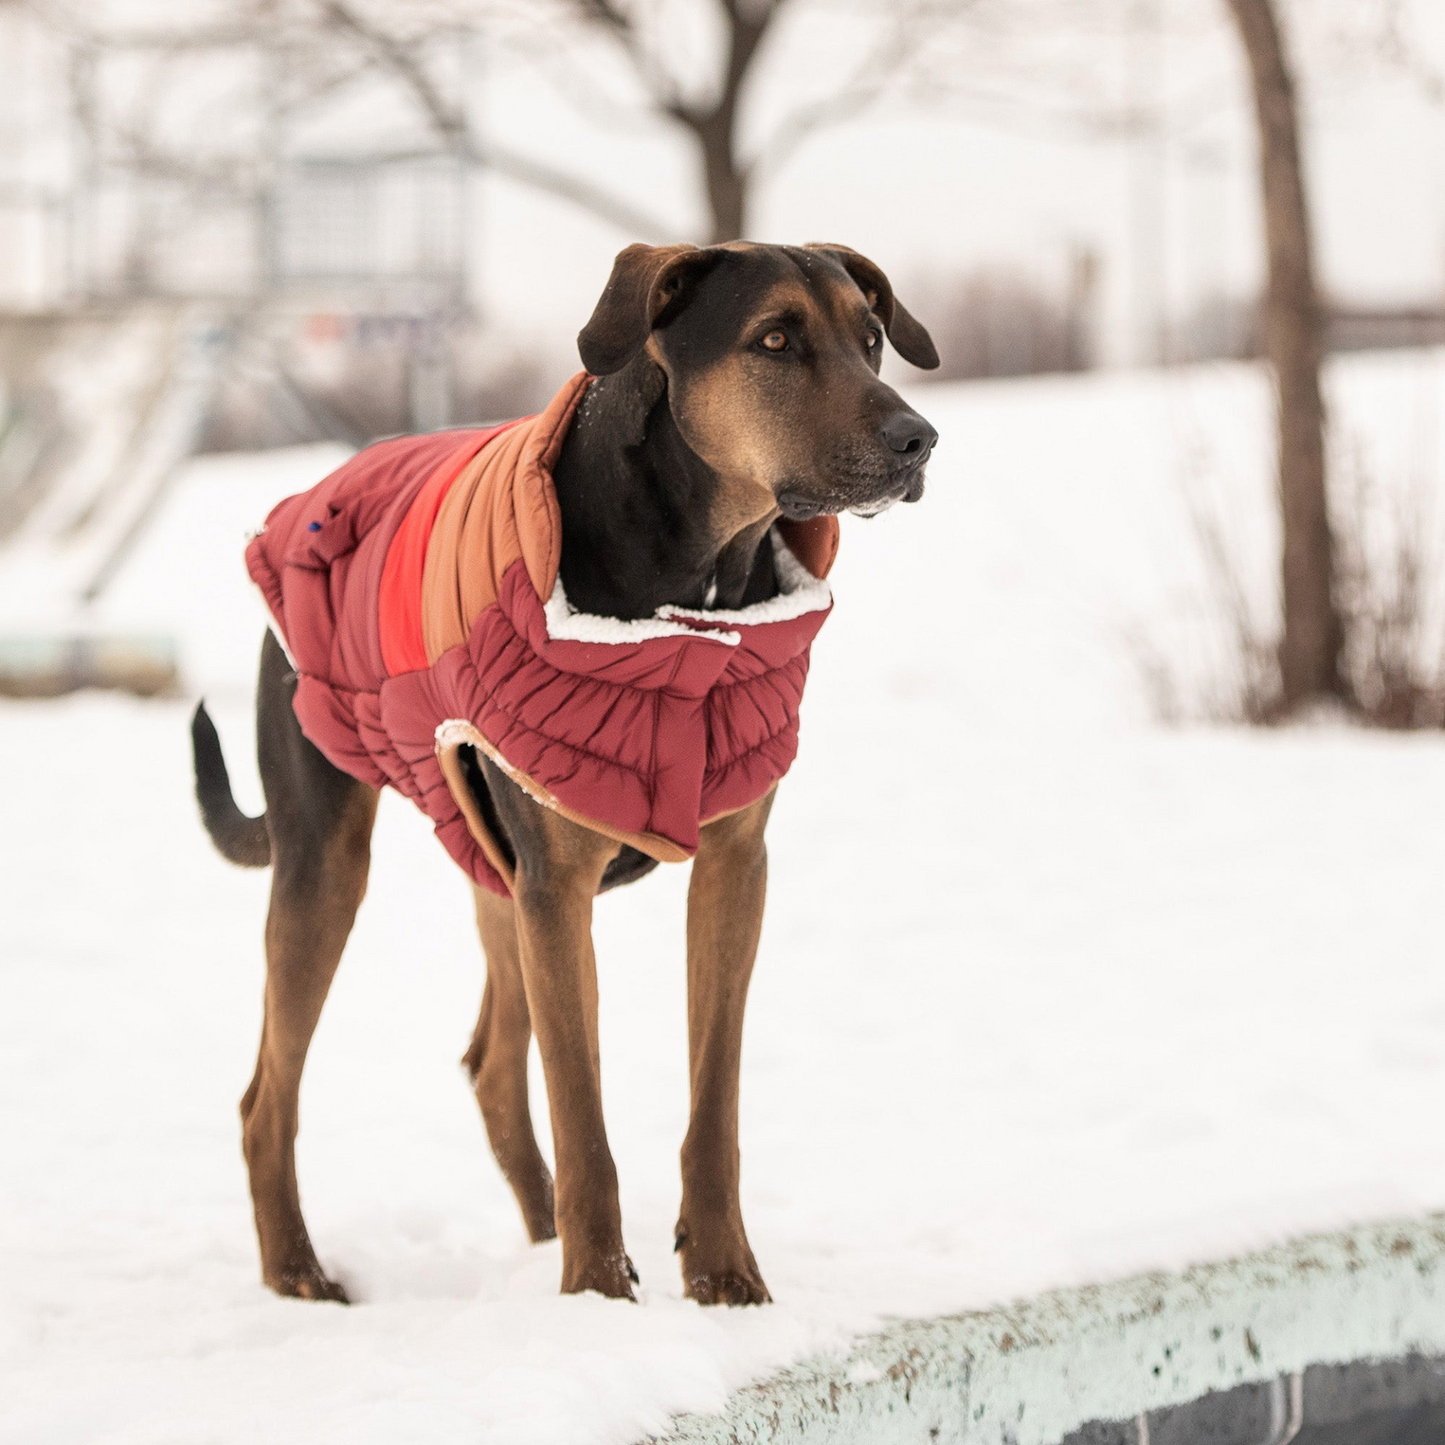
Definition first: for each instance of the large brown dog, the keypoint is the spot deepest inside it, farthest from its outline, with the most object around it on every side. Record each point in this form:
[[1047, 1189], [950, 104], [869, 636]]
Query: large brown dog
[[737, 384]]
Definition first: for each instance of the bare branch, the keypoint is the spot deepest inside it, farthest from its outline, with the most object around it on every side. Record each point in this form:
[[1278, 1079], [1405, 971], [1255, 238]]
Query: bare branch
[[219, 176], [1404, 53], [573, 79], [878, 72], [584, 194], [608, 16], [450, 123], [605, 12], [448, 120]]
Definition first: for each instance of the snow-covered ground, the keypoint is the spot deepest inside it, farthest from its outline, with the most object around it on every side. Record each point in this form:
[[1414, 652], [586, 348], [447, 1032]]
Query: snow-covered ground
[[1046, 994]]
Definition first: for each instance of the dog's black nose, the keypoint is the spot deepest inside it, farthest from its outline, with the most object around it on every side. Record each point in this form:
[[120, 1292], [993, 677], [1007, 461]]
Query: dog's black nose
[[909, 435]]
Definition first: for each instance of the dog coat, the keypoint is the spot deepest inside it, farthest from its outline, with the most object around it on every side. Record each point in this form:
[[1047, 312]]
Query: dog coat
[[417, 591]]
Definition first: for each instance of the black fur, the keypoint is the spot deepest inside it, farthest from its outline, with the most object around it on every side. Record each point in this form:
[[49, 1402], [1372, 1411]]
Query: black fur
[[635, 502], [307, 797], [304, 792], [239, 839]]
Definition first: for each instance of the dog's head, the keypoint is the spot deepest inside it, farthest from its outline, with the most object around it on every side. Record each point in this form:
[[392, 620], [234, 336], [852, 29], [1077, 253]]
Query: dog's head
[[771, 357]]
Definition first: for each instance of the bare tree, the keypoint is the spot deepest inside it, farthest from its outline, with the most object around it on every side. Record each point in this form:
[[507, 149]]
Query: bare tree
[[709, 115], [711, 123], [404, 57], [1313, 636]]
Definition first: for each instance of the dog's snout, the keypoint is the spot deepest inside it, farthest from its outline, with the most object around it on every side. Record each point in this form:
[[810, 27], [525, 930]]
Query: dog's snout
[[909, 435]]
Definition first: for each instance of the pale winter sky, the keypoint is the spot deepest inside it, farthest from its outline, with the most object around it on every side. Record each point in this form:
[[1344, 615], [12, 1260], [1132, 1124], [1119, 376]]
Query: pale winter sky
[[970, 184], [976, 179]]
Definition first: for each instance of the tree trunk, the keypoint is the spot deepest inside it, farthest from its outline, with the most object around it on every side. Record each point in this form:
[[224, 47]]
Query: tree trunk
[[715, 128], [726, 188], [1309, 649]]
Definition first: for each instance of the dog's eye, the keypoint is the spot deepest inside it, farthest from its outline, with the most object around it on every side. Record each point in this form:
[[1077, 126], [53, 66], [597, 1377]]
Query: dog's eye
[[775, 341], [873, 338]]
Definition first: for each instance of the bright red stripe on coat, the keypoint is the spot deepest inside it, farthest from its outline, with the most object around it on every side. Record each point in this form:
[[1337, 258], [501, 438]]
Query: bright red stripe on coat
[[399, 600]]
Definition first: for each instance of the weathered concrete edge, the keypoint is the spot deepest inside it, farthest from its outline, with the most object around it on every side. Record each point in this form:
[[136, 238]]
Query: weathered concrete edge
[[1030, 1372]]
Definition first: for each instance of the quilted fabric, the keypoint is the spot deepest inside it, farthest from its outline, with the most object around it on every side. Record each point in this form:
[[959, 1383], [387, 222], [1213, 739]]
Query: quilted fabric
[[643, 730]]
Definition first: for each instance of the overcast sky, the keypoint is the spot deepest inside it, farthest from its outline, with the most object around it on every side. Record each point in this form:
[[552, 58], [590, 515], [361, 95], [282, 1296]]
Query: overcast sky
[[924, 191], [932, 191]]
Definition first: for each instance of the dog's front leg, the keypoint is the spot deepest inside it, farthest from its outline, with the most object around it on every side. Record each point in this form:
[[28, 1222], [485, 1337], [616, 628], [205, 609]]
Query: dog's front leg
[[559, 867], [724, 919]]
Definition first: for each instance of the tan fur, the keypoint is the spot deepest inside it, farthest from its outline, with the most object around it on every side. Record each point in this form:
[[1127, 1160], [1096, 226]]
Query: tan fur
[[497, 1065], [546, 937], [553, 902], [313, 905], [752, 454], [724, 920]]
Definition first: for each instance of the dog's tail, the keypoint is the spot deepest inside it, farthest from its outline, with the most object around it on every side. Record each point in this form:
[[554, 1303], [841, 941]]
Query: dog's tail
[[239, 839]]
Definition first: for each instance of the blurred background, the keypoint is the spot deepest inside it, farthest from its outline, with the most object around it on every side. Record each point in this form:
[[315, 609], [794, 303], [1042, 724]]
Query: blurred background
[[1055, 985], [245, 225]]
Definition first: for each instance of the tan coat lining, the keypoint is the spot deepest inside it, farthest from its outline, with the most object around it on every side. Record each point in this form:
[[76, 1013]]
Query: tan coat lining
[[456, 731]]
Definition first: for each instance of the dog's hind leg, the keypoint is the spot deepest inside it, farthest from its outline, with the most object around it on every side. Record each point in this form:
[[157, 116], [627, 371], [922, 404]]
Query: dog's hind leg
[[724, 920], [497, 1065], [320, 821]]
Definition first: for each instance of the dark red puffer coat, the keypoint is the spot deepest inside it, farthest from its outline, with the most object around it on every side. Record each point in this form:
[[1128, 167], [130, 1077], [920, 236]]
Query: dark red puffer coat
[[417, 594]]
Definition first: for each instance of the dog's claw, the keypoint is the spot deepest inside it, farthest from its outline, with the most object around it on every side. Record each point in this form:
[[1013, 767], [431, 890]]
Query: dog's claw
[[312, 1285]]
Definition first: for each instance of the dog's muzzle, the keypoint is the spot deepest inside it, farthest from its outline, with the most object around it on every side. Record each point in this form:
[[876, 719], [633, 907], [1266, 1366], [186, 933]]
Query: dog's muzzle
[[911, 490]]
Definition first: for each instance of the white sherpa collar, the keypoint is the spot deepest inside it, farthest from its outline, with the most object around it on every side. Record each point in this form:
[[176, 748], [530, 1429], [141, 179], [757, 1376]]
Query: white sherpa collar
[[799, 593]]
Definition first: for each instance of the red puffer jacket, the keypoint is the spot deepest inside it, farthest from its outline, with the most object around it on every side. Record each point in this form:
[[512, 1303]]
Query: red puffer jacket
[[417, 591]]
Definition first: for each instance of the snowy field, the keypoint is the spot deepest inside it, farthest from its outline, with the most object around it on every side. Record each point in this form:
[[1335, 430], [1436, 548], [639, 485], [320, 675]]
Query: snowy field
[[1047, 993]]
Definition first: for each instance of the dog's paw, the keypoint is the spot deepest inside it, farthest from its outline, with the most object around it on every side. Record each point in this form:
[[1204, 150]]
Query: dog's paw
[[721, 1276], [612, 1276], [728, 1287]]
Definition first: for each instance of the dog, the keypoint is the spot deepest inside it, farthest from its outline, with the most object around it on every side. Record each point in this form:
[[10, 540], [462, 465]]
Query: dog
[[732, 402]]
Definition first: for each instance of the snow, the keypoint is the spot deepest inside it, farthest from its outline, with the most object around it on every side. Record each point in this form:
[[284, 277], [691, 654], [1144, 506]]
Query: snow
[[1047, 993]]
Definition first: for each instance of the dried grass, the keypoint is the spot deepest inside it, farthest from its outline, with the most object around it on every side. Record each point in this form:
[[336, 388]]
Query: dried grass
[[1390, 584], [1222, 665]]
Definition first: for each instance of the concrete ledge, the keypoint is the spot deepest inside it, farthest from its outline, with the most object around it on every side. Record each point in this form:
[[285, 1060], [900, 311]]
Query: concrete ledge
[[1032, 1372], [1398, 1402]]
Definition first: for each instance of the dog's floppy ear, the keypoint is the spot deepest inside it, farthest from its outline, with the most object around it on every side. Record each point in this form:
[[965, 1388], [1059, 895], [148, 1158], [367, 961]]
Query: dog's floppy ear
[[907, 334], [648, 285]]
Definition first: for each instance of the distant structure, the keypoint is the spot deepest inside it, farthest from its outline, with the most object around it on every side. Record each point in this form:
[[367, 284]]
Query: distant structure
[[207, 233], [216, 162]]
